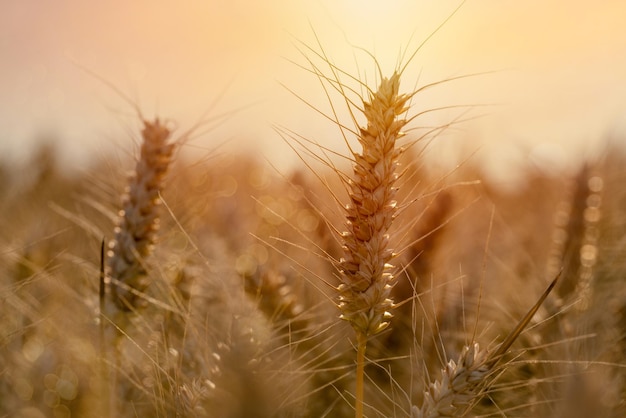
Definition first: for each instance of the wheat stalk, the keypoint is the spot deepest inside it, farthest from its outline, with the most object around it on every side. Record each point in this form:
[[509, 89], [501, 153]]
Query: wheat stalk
[[138, 222], [366, 275]]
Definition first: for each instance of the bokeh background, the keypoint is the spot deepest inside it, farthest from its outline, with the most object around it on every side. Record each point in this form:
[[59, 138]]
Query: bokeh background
[[559, 85]]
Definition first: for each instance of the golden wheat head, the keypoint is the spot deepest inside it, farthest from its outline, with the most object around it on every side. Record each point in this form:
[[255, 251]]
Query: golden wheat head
[[365, 270]]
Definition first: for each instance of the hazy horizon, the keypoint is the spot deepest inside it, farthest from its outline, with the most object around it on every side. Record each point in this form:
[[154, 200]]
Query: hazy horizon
[[560, 83]]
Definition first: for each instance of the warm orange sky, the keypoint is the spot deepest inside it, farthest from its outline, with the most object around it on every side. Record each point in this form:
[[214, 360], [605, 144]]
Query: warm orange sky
[[564, 85]]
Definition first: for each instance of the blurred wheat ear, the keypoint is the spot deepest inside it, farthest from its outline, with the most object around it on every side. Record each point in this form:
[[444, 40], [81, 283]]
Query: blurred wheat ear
[[138, 223]]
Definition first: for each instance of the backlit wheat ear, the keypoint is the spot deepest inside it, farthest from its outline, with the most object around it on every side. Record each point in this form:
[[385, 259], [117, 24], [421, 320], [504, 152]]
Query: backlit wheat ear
[[138, 222], [366, 274]]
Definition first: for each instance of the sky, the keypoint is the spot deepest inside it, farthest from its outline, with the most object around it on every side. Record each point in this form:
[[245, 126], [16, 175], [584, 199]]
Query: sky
[[553, 88]]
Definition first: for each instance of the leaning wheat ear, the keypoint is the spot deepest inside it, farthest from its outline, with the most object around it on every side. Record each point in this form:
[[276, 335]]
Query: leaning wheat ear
[[464, 382], [138, 222]]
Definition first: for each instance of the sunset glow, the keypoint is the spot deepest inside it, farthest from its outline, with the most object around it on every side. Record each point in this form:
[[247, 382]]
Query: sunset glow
[[561, 70], [312, 208]]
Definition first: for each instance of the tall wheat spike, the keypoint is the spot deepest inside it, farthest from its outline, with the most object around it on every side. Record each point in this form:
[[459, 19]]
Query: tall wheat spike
[[138, 222], [366, 275], [365, 270]]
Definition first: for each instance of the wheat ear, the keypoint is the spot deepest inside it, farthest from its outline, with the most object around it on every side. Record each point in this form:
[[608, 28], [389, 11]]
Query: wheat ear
[[463, 382], [276, 300], [138, 222], [366, 275]]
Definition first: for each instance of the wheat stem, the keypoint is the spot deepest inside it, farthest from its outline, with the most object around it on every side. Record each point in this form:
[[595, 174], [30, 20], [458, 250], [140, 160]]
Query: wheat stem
[[366, 275], [105, 380], [360, 374]]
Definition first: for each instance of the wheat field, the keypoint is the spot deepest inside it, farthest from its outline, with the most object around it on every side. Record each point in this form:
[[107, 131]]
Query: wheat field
[[363, 283]]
